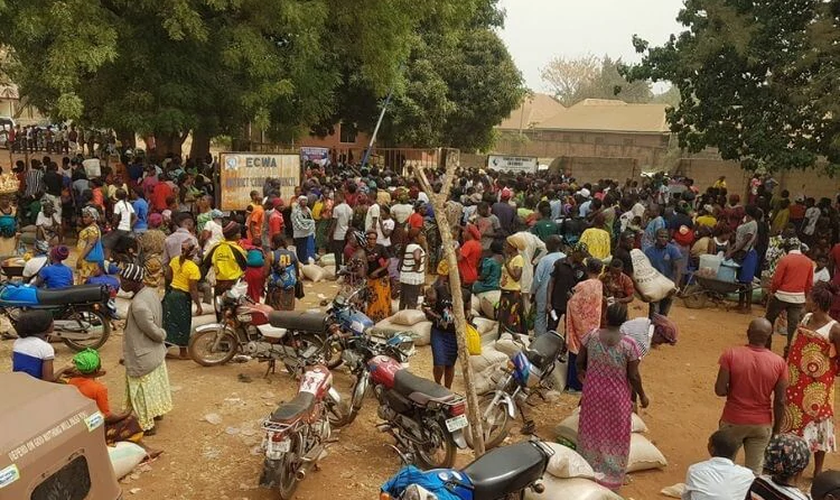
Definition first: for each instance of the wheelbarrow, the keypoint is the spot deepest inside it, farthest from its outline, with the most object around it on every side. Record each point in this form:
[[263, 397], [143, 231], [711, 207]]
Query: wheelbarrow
[[702, 290]]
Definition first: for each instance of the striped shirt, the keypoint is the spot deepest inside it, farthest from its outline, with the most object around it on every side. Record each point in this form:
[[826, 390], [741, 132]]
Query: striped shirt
[[407, 273], [34, 182]]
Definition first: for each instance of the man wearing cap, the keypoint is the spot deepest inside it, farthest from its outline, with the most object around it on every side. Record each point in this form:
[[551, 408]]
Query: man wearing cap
[[505, 212]]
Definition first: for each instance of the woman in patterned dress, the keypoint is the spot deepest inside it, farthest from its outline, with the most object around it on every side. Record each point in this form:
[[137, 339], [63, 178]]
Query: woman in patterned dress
[[583, 315], [89, 238], [608, 365], [379, 283], [812, 365]]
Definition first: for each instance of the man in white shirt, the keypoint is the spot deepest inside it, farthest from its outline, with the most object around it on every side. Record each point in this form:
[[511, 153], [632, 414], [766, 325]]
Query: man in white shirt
[[812, 215], [342, 215], [718, 478], [372, 217], [124, 211]]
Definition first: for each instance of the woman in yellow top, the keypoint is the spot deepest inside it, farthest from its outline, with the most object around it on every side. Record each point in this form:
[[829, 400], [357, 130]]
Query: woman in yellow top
[[91, 254], [511, 306], [596, 239], [183, 275]]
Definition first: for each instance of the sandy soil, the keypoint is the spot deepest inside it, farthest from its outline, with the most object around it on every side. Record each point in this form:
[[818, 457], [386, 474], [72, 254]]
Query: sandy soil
[[222, 461]]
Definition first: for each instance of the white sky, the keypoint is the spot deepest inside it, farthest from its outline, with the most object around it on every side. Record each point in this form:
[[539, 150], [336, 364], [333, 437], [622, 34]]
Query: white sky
[[537, 30]]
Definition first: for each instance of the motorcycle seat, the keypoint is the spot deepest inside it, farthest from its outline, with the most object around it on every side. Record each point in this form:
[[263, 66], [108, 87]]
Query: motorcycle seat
[[545, 349], [272, 332], [506, 470], [299, 321], [420, 390], [291, 411], [72, 295]]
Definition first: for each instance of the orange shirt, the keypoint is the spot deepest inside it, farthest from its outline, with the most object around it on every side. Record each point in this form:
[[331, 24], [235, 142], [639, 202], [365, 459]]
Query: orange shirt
[[256, 220], [94, 390]]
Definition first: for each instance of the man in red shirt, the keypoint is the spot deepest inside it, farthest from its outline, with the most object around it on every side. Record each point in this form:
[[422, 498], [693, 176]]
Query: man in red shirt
[[470, 256], [749, 375], [275, 220], [792, 280], [415, 220], [160, 193]]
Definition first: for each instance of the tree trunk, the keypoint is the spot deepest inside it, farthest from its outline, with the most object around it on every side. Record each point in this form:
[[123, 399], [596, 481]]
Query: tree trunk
[[439, 204], [200, 143], [127, 138], [169, 143]]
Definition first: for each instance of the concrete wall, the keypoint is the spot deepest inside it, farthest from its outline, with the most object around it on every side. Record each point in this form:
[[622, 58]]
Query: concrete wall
[[589, 169]]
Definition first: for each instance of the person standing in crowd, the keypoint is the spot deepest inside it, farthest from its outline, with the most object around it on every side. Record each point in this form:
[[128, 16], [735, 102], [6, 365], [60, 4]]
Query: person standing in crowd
[[152, 244], [785, 458], [542, 279], [254, 224], [665, 257], [608, 365], [743, 251], [596, 239], [583, 316], [488, 225], [255, 270], [144, 351], [511, 313], [31, 353], [656, 224], [342, 215], [545, 226], [141, 211], [469, 256], [91, 253], [412, 270], [212, 232], [566, 274], [303, 226], [626, 243], [175, 241], [618, 287], [812, 364], [718, 478], [183, 275], [505, 212], [284, 272], [48, 223], [227, 259], [748, 377], [378, 281], [490, 272], [417, 219], [791, 283], [439, 310]]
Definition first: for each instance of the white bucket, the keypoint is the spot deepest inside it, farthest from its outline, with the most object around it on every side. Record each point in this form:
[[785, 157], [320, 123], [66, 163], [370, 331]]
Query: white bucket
[[709, 261]]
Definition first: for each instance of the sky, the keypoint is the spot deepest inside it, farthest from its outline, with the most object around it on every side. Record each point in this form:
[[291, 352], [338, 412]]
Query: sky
[[537, 30]]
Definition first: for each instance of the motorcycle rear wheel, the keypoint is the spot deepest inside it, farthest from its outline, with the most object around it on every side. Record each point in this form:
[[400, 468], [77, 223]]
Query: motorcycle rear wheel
[[288, 483], [204, 344], [497, 432], [91, 320], [440, 453]]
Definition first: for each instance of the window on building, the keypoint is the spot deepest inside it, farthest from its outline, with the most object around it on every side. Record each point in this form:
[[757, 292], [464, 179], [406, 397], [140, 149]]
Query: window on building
[[348, 133], [71, 482]]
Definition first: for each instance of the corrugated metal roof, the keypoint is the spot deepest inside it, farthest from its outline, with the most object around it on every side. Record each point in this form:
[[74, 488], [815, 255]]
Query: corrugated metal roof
[[609, 115]]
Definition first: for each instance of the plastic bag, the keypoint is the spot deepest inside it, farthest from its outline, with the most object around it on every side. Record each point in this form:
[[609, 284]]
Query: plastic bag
[[473, 341]]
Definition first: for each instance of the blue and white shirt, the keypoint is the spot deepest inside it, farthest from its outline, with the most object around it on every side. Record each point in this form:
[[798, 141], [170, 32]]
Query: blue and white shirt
[[29, 354]]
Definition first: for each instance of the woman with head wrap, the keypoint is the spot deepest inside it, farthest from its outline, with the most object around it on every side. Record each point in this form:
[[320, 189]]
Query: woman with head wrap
[[412, 270], [48, 223], [438, 310], [36, 263], [378, 281], [785, 458], [583, 315], [91, 253], [812, 363], [56, 274], [183, 276], [151, 244], [144, 351], [118, 426], [303, 228], [491, 269], [596, 239], [227, 259]]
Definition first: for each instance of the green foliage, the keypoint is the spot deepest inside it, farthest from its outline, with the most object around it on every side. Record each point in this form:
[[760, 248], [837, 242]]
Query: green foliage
[[756, 79]]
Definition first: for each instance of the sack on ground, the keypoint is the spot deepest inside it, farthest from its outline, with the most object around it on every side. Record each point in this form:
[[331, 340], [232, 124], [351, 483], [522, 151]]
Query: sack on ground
[[644, 455], [650, 284], [313, 272], [568, 428], [489, 303], [125, 456], [511, 345], [488, 357], [421, 333], [566, 463], [475, 305], [408, 317], [568, 489], [328, 259], [329, 273], [485, 381]]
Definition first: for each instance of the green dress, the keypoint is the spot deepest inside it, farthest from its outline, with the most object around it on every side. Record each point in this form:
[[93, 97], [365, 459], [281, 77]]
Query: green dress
[[491, 274]]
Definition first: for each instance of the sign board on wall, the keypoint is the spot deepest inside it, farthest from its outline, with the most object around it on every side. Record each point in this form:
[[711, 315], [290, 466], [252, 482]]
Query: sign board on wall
[[512, 163], [242, 173], [318, 156]]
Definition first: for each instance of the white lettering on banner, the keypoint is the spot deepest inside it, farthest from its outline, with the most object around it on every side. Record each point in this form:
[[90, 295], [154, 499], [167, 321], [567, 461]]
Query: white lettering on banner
[[512, 163], [16, 453], [246, 172]]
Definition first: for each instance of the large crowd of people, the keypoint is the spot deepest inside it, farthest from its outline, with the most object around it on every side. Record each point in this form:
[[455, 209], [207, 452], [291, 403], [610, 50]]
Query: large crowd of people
[[557, 252]]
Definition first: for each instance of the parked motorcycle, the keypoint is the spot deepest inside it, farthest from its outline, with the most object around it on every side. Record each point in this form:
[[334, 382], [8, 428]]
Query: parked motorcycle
[[501, 474], [258, 331], [80, 312], [528, 370], [297, 432], [425, 419]]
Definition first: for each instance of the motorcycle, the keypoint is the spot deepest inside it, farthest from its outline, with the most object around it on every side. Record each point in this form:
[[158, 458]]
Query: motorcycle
[[528, 370], [425, 419], [80, 312], [501, 474], [258, 331], [297, 433]]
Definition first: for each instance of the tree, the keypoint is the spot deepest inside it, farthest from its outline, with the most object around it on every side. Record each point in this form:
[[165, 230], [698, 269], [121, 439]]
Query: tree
[[757, 80], [566, 77], [610, 84]]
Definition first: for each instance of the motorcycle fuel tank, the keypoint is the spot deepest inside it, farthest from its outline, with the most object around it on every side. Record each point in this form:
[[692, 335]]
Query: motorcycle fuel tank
[[354, 321], [316, 381], [258, 314], [383, 370]]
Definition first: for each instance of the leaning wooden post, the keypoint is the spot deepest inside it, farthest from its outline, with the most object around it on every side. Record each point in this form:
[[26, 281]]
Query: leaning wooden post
[[439, 205]]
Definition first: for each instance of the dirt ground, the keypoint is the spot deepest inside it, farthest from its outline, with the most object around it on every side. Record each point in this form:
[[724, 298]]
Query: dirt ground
[[202, 460]]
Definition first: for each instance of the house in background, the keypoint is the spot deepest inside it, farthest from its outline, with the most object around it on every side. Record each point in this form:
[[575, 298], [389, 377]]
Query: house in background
[[12, 106]]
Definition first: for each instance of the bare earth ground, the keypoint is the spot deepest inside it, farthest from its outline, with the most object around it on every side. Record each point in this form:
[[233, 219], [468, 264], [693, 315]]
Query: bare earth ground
[[202, 460]]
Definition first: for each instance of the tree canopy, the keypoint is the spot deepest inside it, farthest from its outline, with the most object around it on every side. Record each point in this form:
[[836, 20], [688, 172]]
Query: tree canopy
[[572, 80], [212, 66], [757, 80]]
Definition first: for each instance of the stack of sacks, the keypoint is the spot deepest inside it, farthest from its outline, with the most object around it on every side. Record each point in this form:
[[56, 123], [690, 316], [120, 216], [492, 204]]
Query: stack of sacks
[[407, 320], [511, 345], [487, 366], [569, 476], [327, 260], [475, 305], [487, 328], [317, 273], [489, 303], [643, 454]]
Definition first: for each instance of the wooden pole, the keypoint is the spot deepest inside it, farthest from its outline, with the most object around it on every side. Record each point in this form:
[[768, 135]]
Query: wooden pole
[[439, 205]]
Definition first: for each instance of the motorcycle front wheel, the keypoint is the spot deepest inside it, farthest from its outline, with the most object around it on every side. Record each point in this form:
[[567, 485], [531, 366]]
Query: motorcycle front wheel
[[496, 425], [439, 450], [84, 329], [213, 347]]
